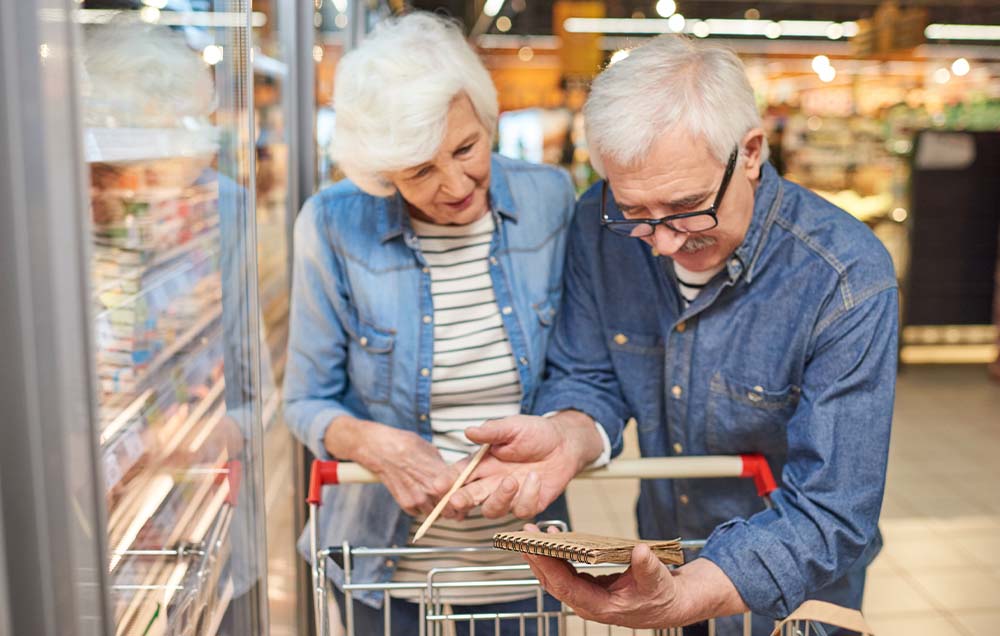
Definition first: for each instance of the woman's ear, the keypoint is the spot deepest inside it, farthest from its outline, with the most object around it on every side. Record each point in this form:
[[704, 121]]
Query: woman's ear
[[752, 147]]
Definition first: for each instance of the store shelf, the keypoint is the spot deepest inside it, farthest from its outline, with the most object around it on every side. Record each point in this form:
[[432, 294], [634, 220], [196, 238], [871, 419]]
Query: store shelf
[[118, 145]]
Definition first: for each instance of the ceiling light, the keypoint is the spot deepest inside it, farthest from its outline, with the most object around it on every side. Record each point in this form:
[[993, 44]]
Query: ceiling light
[[212, 54], [700, 29], [503, 24], [962, 32], [827, 73], [942, 75], [149, 14], [960, 67], [492, 7], [618, 56], [666, 8], [676, 23], [820, 62]]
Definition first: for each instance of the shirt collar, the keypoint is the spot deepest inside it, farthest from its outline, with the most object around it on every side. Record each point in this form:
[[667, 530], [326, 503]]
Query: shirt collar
[[767, 202], [394, 221]]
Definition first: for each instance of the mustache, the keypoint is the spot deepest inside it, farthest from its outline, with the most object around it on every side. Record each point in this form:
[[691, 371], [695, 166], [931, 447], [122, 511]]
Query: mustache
[[695, 243]]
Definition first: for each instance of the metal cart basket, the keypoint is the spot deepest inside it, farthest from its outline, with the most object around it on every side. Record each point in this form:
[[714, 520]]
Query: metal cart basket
[[436, 615]]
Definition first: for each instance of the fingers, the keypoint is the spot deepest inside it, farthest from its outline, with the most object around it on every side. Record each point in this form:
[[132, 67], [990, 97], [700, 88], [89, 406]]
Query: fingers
[[501, 431], [561, 580], [499, 503], [526, 504], [471, 495], [647, 570]]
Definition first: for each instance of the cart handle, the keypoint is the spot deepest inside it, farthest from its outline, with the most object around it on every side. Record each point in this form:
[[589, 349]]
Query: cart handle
[[750, 466]]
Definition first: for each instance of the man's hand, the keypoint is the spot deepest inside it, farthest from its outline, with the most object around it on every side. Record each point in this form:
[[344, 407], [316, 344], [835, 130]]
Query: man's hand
[[646, 595], [408, 465], [531, 461]]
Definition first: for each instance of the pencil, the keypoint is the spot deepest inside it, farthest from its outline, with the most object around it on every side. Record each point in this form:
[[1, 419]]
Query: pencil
[[431, 518]]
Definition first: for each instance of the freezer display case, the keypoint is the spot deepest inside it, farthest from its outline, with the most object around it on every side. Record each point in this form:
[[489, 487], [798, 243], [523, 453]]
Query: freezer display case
[[183, 367]]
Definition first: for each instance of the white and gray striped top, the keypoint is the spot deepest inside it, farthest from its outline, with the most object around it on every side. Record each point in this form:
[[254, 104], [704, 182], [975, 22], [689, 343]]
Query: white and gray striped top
[[474, 378]]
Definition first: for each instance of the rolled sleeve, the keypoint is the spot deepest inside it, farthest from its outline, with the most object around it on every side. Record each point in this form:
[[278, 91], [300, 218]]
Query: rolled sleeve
[[315, 377], [826, 510]]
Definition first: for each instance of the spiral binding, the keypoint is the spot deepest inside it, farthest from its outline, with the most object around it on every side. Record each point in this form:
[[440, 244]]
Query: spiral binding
[[546, 547]]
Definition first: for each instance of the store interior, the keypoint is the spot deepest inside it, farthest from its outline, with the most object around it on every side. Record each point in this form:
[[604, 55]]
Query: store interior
[[203, 130]]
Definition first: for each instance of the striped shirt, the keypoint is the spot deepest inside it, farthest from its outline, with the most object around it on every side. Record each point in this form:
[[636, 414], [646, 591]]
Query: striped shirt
[[474, 378]]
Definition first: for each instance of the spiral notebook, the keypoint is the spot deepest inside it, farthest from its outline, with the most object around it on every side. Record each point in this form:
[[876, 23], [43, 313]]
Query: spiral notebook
[[585, 548]]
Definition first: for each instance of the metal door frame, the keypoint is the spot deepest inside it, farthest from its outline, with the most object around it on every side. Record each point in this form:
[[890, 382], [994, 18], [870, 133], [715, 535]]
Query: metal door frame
[[50, 483]]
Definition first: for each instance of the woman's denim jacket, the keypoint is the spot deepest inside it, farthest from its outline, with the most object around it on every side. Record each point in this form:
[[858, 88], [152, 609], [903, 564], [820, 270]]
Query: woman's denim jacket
[[362, 327]]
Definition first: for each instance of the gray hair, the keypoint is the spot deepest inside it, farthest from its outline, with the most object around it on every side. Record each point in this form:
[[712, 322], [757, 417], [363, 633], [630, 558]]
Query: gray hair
[[392, 96], [670, 83]]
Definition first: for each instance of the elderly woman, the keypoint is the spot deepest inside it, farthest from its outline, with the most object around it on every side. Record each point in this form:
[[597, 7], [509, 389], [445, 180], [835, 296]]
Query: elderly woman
[[424, 289]]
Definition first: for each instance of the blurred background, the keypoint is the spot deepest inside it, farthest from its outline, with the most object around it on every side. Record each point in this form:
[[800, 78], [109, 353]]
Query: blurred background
[[156, 154]]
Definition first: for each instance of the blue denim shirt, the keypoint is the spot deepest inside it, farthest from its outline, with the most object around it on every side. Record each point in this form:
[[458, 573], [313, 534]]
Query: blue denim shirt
[[362, 326], [790, 351]]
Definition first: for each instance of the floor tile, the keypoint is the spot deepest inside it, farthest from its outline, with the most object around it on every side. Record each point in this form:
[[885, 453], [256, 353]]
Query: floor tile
[[951, 590], [916, 555], [979, 623], [915, 625], [982, 547], [891, 594]]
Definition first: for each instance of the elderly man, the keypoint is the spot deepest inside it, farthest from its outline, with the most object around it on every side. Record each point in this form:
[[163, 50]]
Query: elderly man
[[728, 311]]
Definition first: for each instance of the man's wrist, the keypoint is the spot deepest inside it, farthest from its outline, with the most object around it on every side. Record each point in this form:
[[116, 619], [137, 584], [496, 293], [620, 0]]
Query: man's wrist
[[704, 591], [579, 433]]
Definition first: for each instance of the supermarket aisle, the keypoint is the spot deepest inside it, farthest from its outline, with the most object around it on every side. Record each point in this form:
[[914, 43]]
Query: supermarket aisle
[[940, 572]]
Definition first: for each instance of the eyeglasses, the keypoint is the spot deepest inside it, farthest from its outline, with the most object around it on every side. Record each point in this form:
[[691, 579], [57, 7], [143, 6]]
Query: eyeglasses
[[685, 223]]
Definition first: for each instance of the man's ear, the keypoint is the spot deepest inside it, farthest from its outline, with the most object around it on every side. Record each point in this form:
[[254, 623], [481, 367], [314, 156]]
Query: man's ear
[[752, 147]]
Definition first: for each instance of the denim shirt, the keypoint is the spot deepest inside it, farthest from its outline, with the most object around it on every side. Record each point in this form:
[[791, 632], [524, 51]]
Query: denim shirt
[[362, 327], [789, 351]]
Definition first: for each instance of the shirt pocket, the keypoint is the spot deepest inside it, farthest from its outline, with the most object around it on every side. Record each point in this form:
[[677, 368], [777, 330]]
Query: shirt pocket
[[745, 417], [369, 361], [638, 362]]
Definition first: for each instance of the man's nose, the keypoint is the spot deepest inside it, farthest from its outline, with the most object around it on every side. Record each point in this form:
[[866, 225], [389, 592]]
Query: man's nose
[[666, 241]]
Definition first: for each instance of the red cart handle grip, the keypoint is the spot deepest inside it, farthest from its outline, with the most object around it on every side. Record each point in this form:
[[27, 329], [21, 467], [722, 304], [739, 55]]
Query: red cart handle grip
[[756, 467], [323, 473]]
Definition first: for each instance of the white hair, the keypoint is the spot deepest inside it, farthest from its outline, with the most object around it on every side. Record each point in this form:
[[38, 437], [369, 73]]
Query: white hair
[[392, 96], [671, 83]]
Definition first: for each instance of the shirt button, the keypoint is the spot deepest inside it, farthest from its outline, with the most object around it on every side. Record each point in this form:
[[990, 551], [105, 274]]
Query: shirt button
[[681, 326], [389, 563], [425, 372], [506, 310], [493, 260], [423, 417], [678, 449], [427, 320], [426, 270], [621, 338], [734, 262], [364, 341], [685, 499], [523, 361], [676, 391], [756, 394]]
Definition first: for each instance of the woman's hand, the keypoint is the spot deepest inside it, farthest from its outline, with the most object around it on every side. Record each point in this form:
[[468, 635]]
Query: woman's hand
[[407, 464]]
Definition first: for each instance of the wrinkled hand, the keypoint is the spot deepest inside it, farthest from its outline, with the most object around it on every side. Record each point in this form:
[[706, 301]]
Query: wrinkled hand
[[646, 595], [407, 464], [531, 461]]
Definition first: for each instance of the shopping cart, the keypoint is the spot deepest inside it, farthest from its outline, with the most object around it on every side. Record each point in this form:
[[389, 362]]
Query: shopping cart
[[436, 615]]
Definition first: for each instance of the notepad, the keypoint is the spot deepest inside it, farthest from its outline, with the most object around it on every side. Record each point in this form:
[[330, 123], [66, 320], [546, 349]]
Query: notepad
[[585, 548]]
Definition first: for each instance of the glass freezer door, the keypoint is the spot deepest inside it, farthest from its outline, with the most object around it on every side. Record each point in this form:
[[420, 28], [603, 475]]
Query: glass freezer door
[[169, 142]]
